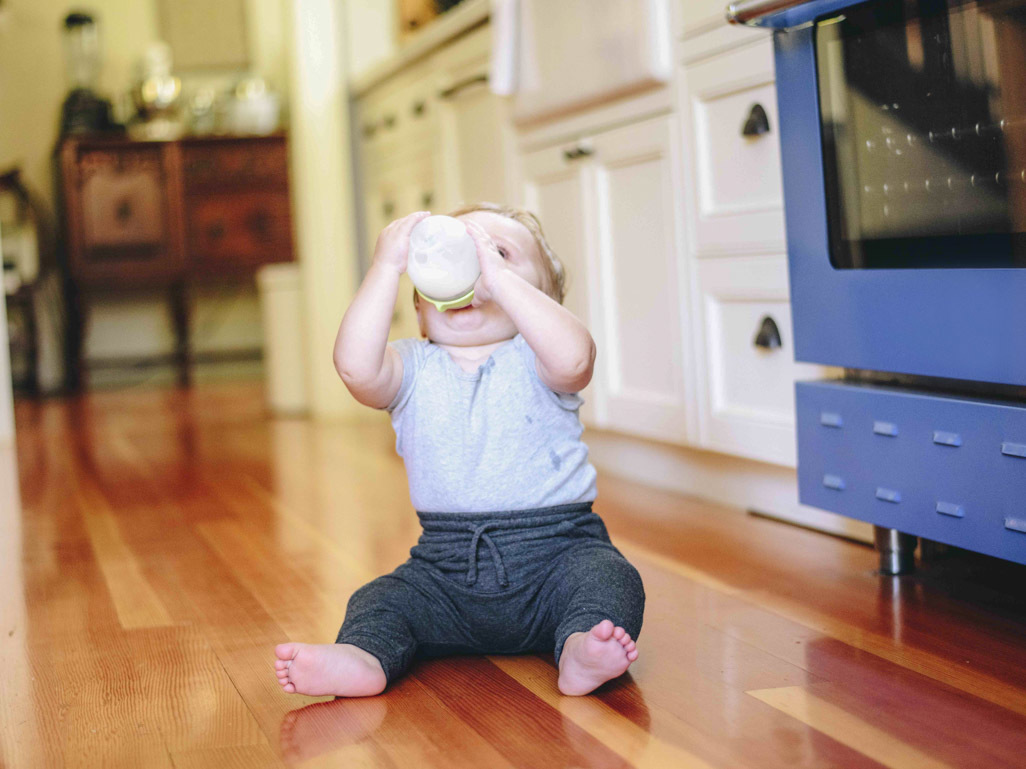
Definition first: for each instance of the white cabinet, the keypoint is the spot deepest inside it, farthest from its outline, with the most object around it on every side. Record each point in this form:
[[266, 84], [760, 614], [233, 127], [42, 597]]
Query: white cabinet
[[555, 189], [475, 127], [736, 192], [611, 205], [743, 334]]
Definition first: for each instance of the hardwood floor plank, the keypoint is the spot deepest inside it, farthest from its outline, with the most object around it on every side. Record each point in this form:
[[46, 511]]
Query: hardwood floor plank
[[135, 601], [638, 744], [243, 757], [526, 730], [801, 704], [1000, 692]]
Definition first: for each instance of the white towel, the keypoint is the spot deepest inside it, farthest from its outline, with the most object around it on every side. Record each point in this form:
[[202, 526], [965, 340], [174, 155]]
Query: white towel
[[505, 23]]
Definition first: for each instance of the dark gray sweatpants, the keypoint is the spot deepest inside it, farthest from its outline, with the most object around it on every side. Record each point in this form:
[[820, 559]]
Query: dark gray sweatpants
[[496, 583]]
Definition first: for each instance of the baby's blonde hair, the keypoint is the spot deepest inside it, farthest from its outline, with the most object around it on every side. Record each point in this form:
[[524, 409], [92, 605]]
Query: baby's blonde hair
[[554, 271]]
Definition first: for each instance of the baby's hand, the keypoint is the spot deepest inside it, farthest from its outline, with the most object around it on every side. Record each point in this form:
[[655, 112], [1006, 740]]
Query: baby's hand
[[492, 263], [393, 246]]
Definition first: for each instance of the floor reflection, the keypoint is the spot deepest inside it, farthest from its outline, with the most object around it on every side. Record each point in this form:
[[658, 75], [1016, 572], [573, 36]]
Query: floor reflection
[[395, 728]]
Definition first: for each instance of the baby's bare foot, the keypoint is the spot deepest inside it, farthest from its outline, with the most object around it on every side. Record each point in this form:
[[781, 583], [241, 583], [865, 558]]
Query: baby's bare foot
[[343, 670], [590, 659]]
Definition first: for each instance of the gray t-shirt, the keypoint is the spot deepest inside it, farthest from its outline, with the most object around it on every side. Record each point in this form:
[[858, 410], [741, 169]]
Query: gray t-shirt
[[496, 439]]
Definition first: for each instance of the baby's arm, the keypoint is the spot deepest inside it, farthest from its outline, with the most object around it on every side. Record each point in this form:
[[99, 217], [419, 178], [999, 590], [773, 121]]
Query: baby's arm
[[371, 369], [562, 345]]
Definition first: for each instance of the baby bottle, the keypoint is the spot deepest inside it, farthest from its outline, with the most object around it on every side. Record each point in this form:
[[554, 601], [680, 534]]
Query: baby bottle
[[443, 262]]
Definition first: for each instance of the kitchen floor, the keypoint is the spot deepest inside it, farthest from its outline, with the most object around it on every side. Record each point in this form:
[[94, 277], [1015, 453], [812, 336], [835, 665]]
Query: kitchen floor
[[164, 541]]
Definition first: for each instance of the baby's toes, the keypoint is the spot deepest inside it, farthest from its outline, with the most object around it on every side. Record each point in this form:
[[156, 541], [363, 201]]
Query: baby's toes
[[281, 664], [619, 633], [632, 655]]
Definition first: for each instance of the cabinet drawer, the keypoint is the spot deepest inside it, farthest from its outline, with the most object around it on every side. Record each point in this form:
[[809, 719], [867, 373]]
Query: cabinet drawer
[[746, 391], [222, 164], [737, 193], [942, 467], [238, 231]]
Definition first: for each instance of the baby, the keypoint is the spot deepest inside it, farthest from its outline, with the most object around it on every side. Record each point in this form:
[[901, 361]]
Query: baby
[[485, 410]]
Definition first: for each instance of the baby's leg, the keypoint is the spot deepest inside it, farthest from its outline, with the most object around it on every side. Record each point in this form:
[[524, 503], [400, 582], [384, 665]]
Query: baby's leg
[[375, 646], [598, 600]]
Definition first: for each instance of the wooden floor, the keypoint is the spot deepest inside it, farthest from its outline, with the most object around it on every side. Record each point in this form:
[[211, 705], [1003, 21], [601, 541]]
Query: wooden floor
[[163, 542]]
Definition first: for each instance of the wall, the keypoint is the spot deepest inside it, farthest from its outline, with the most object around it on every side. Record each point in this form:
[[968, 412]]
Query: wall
[[32, 87]]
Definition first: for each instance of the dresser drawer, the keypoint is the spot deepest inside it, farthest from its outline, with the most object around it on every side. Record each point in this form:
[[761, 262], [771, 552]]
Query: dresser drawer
[[238, 231], [120, 223], [261, 162], [947, 468], [733, 132]]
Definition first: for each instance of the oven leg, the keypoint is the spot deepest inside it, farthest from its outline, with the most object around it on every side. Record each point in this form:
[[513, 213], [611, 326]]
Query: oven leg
[[897, 551]]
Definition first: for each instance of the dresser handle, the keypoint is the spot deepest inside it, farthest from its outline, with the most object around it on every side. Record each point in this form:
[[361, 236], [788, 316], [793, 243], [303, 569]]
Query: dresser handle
[[768, 335], [757, 122]]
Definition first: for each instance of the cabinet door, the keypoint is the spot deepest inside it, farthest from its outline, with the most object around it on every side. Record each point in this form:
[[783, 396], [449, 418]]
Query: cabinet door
[[746, 388], [554, 189], [475, 131], [640, 309], [729, 107]]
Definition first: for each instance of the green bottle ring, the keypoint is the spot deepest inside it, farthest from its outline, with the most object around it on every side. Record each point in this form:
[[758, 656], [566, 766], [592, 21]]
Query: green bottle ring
[[449, 304]]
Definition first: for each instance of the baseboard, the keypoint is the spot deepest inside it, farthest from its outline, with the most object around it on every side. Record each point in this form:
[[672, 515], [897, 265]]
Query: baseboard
[[768, 489]]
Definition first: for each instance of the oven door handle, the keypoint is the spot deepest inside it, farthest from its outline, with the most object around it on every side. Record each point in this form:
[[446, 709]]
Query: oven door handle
[[756, 13]]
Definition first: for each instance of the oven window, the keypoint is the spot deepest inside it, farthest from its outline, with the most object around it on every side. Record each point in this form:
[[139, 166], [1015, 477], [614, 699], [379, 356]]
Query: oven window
[[923, 110]]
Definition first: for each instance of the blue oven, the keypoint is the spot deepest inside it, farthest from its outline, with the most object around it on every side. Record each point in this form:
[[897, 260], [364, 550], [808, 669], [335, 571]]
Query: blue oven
[[903, 142]]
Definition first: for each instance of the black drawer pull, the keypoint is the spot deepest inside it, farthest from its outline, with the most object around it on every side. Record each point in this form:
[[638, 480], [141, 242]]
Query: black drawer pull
[[757, 122], [768, 335], [578, 152], [454, 89]]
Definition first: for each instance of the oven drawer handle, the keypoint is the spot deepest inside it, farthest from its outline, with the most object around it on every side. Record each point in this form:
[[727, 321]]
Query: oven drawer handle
[[757, 122], [768, 335], [752, 12]]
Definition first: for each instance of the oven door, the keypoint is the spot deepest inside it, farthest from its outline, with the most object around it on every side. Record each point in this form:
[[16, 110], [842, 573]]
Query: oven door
[[903, 136]]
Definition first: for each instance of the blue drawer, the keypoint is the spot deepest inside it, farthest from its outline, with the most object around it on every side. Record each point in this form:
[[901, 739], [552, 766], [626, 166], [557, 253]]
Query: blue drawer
[[950, 469]]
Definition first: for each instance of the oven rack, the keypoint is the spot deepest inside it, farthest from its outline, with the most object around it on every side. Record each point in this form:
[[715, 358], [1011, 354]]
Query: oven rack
[[999, 180], [896, 143]]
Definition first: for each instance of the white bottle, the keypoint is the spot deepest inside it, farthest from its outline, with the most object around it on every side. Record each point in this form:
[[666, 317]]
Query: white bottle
[[443, 262]]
